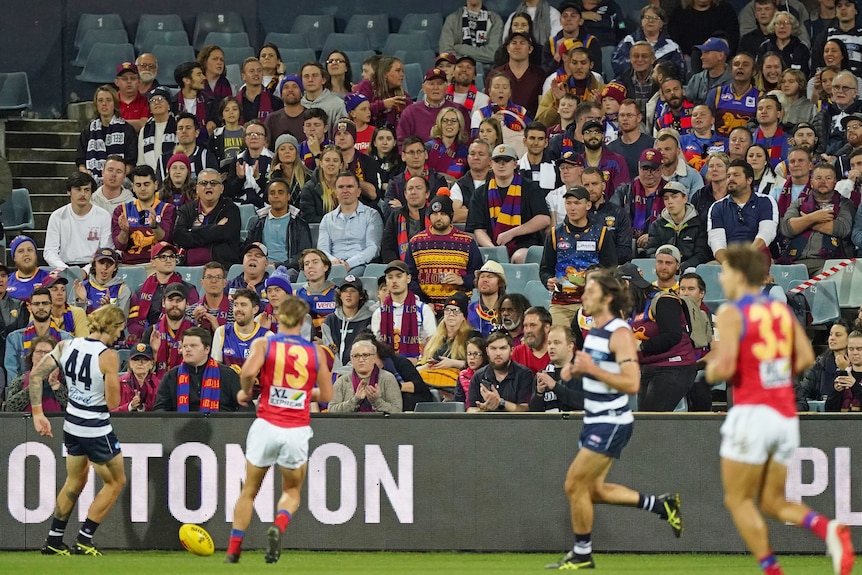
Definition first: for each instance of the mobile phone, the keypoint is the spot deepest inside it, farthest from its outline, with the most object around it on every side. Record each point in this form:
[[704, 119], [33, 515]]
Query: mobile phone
[[486, 384]]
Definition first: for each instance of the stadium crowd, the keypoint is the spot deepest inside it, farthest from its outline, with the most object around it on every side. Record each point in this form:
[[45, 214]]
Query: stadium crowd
[[713, 128]]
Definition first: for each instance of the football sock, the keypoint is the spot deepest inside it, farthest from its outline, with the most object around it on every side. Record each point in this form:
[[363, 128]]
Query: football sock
[[234, 546], [648, 503], [58, 529], [816, 523], [282, 519], [583, 548], [85, 535], [770, 566]]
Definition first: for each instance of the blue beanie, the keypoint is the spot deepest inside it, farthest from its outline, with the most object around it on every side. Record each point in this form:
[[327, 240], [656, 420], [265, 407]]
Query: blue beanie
[[280, 279], [17, 241]]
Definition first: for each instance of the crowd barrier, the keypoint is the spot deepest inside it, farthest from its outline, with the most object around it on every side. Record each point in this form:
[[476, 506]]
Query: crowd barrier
[[481, 482]]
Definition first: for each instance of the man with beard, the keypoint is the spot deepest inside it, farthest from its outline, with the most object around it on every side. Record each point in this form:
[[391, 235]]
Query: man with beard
[[532, 353], [462, 192], [667, 266], [742, 215], [232, 341], [463, 88], [615, 219], [140, 223], [491, 283], [679, 226], [289, 119], [41, 323], [511, 314], [845, 101], [631, 141], [191, 80], [502, 385], [552, 394], [215, 308], [702, 141], [642, 198], [352, 315], [256, 102], [818, 226], [674, 110], [574, 77], [572, 246], [112, 193], [853, 135], [595, 155], [673, 166], [572, 35], [27, 275], [165, 336], [735, 103], [148, 69], [442, 259], [852, 186]]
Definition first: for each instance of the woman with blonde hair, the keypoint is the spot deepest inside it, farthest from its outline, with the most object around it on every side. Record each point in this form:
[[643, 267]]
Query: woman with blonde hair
[[447, 148], [318, 195], [107, 134], [288, 165], [445, 354], [798, 108]]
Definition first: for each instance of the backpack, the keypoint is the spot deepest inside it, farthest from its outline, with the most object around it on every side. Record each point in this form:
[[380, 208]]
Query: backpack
[[699, 326]]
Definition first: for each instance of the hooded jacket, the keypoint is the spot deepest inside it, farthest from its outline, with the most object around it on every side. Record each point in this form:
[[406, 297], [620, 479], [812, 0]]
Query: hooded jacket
[[689, 236], [338, 332]]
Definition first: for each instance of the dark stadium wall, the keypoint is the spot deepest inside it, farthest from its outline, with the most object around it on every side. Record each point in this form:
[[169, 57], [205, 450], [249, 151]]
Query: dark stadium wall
[[405, 482]]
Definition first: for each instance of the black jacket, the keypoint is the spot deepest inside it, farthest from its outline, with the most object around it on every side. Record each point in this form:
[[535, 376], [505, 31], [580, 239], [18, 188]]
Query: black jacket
[[298, 238], [389, 242], [222, 241], [166, 396], [691, 238]]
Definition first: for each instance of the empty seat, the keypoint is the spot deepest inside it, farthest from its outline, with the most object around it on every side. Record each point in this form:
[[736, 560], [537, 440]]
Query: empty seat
[[537, 293], [431, 24], [133, 276], [439, 407], [215, 22], [374, 26], [534, 255], [227, 39], [247, 213], [167, 38], [191, 274], [784, 274], [87, 22], [157, 23], [370, 285], [413, 76], [425, 58], [822, 300], [287, 41], [647, 268], [96, 36], [497, 254], [518, 275], [15, 96], [374, 271], [412, 41], [235, 55], [356, 60], [714, 292], [315, 27], [18, 211], [350, 42], [848, 281], [101, 66], [233, 75], [301, 55], [169, 57]]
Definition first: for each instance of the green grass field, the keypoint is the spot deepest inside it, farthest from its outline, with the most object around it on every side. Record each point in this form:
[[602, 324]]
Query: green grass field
[[170, 563]]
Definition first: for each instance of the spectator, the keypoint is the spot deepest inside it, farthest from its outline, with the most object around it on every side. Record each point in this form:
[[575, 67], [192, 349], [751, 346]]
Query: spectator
[[246, 174], [785, 40], [138, 387], [491, 131], [703, 19], [667, 267], [385, 91], [405, 223], [847, 30], [403, 321], [764, 12], [532, 352], [845, 101], [818, 382], [366, 388], [511, 313], [605, 20], [159, 134], [148, 69], [545, 24], [317, 95], [215, 308], [106, 134], [679, 226], [318, 291], [55, 395], [112, 193], [415, 157], [571, 168], [318, 196], [534, 165], [178, 188], [526, 78], [642, 198], [462, 90], [216, 85], [146, 306], [513, 214], [573, 245], [352, 315], [228, 139], [699, 398], [572, 35], [165, 336], [445, 352], [769, 131], [133, 106], [574, 77], [566, 110], [67, 318], [502, 385], [287, 165], [139, 224], [188, 143], [511, 116], [78, 229], [614, 218], [653, 20], [358, 110], [198, 382], [742, 215], [13, 312], [472, 31], [384, 150], [434, 278], [102, 287], [715, 72], [232, 341], [853, 129], [413, 388], [339, 72], [702, 142], [344, 136], [757, 157], [643, 78], [314, 127], [447, 147], [289, 119], [477, 357], [846, 393], [819, 225], [674, 168], [20, 340], [284, 234], [351, 233], [254, 274], [491, 284], [256, 100], [631, 141], [190, 78], [277, 286], [674, 110], [551, 393], [419, 118], [27, 275], [271, 67], [796, 186], [208, 229], [595, 154]]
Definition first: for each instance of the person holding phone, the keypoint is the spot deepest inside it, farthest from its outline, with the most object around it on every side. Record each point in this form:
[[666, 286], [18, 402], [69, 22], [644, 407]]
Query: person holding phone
[[846, 394]]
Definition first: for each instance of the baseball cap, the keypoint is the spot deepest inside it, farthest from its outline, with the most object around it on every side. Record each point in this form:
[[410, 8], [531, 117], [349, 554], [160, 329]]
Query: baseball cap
[[257, 245], [650, 158], [846, 119], [632, 274], [801, 125], [459, 300], [351, 280], [592, 125], [54, 278], [524, 35], [504, 151], [470, 59], [669, 250], [141, 350], [161, 247], [577, 192], [445, 57], [572, 158], [435, 74], [159, 91], [714, 44], [568, 4], [106, 254], [126, 67], [492, 267], [176, 289], [674, 187], [396, 265]]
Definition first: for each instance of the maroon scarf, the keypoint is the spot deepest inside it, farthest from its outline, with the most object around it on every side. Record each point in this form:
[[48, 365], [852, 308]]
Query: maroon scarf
[[785, 198], [405, 342], [140, 308], [365, 405], [169, 354]]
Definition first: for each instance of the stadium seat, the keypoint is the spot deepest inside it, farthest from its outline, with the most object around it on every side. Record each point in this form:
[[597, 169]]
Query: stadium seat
[[157, 23], [351, 42], [14, 93], [101, 66], [714, 292], [849, 283], [233, 74], [431, 24], [607, 58], [301, 55], [412, 41], [822, 300], [413, 76], [425, 58], [370, 285], [374, 26], [497, 253], [336, 274], [133, 276], [356, 58], [647, 268], [247, 214], [518, 275], [315, 27], [87, 22], [17, 211], [287, 41], [234, 271], [169, 57], [97, 36], [502, 7], [439, 407], [374, 271], [215, 22], [227, 39], [234, 55], [125, 355], [537, 293], [163, 38], [191, 274], [534, 255], [784, 274]]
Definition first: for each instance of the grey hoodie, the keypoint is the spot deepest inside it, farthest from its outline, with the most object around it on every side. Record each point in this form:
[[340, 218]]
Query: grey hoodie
[[338, 332], [124, 296], [328, 102]]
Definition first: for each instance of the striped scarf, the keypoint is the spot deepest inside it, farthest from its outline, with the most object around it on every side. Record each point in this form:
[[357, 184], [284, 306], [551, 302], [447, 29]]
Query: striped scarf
[[776, 145], [103, 142], [169, 348], [95, 294], [471, 96], [832, 246], [169, 140], [640, 199], [210, 388], [505, 212], [573, 86], [665, 118], [405, 342], [454, 157], [140, 307], [512, 111], [30, 333], [785, 198], [69, 320], [403, 240]]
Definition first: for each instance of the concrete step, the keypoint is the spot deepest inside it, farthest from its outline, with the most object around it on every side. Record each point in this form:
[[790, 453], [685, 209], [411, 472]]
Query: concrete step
[[47, 203], [41, 155], [47, 125], [65, 140], [53, 186], [41, 219], [42, 168]]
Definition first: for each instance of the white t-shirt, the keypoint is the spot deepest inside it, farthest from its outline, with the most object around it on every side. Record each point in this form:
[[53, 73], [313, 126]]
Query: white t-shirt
[[427, 320], [72, 240]]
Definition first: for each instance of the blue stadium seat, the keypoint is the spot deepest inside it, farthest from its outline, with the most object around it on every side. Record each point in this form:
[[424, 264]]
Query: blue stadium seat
[[425, 58], [97, 36], [370, 285], [236, 55], [300, 55], [374, 271], [647, 268], [784, 274], [374, 26], [497, 253], [518, 275], [17, 211], [157, 23], [163, 38], [233, 75], [356, 60], [133, 276], [431, 24], [607, 70], [849, 283], [247, 214], [351, 42], [537, 293], [14, 94], [534, 255], [87, 22], [411, 41], [822, 300], [315, 230], [315, 27], [191, 274], [227, 39], [234, 271], [714, 292], [169, 57], [413, 76], [101, 66], [287, 41], [215, 22]]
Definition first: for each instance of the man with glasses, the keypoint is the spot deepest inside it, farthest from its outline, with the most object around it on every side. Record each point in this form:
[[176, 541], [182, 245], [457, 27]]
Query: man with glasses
[[148, 69], [215, 308], [159, 134], [640, 79], [246, 174], [571, 140], [742, 215], [41, 323], [827, 124], [208, 228], [188, 144]]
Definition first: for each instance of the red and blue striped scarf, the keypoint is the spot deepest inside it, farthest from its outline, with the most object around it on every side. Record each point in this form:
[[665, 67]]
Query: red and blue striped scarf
[[406, 341], [664, 117], [785, 198], [30, 333], [471, 96], [640, 219], [509, 119], [455, 156], [505, 212], [776, 145], [210, 388], [403, 240]]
